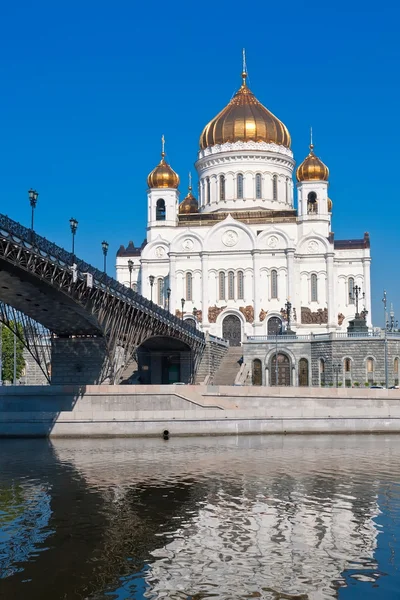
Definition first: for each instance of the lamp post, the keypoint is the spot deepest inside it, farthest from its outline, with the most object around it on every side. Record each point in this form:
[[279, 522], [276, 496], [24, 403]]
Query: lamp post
[[385, 339], [74, 226], [288, 307], [356, 295], [151, 280], [33, 196], [168, 297], [183, 306], [104, 246], [130, 267], [195, 316], [337, 367], [278, 331]]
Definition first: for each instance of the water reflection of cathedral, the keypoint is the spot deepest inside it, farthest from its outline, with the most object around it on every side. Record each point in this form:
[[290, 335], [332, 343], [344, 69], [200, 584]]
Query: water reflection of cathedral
[[276, 517]]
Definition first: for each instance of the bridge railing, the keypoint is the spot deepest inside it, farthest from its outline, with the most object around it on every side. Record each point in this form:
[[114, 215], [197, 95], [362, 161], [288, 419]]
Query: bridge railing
[[49, 249]]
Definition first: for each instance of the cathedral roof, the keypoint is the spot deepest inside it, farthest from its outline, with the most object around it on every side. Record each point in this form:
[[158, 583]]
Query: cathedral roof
[[189, 204], [312, 168], [244, 119], [163, 176], [131, 249]]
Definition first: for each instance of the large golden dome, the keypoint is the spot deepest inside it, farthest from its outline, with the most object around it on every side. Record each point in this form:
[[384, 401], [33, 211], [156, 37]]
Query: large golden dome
[[244, 119], [163, 176], [312, 168]]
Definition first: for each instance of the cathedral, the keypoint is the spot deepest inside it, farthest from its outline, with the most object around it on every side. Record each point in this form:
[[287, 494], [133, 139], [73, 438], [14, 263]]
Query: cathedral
[[244, 258]]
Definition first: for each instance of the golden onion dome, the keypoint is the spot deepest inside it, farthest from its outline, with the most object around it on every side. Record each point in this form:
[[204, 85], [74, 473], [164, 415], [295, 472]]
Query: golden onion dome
[[330, 204], [189, 205], [245, 119], [312, 168], [163, 176]]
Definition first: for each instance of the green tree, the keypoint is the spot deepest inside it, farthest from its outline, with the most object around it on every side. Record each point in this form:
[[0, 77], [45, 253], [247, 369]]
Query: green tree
[[7, 337]]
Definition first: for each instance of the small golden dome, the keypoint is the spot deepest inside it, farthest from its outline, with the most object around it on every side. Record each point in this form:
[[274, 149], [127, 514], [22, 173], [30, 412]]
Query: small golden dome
[[312, 168], [163, 176], [330, 204], [189, 205], [245, 119]]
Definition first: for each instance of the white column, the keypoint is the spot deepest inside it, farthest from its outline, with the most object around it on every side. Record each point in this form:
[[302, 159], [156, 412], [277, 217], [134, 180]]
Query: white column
[[204, 287], [256, 285], [290, 279], [172, 283], [366, 261], [332, 308]]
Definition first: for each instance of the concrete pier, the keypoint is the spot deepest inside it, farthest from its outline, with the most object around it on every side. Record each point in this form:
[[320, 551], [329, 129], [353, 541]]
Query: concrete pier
[[82, 411]]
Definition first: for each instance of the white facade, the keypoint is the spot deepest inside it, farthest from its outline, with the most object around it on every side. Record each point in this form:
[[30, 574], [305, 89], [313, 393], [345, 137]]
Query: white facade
[[246, 251]]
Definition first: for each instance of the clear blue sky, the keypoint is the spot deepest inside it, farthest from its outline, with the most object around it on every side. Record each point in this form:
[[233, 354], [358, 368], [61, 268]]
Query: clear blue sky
[[87, 89]]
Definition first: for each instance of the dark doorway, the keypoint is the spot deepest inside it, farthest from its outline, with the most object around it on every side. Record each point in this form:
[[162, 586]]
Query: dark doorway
[[303, 372], [283, 370], [257, 372], [274, 326], [232, 330]]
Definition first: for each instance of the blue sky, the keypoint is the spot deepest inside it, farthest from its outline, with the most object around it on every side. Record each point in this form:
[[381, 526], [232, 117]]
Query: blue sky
[[87, 89]]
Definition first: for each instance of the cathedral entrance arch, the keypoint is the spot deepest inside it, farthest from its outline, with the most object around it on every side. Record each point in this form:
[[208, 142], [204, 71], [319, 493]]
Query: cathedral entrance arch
[[232, 330], [274, 326], [257, 372], [282, 372]]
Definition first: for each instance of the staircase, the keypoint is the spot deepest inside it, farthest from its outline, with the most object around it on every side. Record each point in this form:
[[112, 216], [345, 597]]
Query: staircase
[[229, 367]]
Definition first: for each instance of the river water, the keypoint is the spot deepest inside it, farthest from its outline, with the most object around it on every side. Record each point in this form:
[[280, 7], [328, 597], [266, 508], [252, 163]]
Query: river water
[[274, 517]]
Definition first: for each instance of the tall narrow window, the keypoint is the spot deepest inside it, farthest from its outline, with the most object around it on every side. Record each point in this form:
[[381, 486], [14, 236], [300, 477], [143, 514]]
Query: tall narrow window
[[274, 284], [275, 187], [160, 210], [240, 285], [258, 186], [208, 190], [287, 191], [239, 183], [396, 371], [221, 283], [370, 370], [314, 288], [189, 287], [351, 290], [347, 365], [231, 285], [222, 187], [322, 371], [160, 291]]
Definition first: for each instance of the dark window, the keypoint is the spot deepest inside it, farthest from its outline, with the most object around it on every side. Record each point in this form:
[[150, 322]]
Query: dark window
[[239, 186], [312, 204], [221, 283], [258, 186], [222, 187], [274, 284], [240, 285], [351, 290], [208, 190], [160, 210], [314, 288], [189, 286], [231, 285], [275, 187]]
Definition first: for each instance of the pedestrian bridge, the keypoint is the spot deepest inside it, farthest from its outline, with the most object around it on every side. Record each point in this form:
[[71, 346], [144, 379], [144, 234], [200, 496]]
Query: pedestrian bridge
[[95, 329]]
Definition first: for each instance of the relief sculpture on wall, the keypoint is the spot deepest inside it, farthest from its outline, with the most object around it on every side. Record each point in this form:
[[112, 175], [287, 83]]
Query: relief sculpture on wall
[[312, 318], [263, 314], [213, 313], [340, 318], [248, 312]]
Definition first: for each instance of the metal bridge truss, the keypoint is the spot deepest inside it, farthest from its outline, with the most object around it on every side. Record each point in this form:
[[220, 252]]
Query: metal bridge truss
[[121, 316]]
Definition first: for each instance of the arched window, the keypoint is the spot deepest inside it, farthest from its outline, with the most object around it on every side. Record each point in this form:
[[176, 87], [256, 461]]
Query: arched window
[[347, 365], [231, 285], [258, 186], [314, 288], [239, 184], [160, 210], [370, 370], [275, 187], [134, 287], [189, 287], [160, 291], [257, 372], [191, 321], [274, 284], [221, 285], [208, 190], [287, 191], [274, 326], [351, 290], [396, 371], [312, 204], [222, 187], [240, 285]]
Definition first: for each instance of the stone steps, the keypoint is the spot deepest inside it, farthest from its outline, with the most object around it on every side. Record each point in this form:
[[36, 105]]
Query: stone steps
[[229, 367]]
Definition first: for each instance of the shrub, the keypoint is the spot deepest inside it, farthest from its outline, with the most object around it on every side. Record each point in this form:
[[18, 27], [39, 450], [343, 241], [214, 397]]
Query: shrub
[[348, 383], [356, 384], [366, 384], [340, 383]]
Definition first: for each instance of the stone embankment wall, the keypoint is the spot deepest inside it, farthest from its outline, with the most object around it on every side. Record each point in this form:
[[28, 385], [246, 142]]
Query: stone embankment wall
[[193, 410]]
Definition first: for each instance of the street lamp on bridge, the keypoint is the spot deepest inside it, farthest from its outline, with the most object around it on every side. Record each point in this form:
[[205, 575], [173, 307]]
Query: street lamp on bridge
[[168, 297], [151, 279], [33, 196], [337, 368], [130, 267], [183, 306], [74, 226], [104, 246]]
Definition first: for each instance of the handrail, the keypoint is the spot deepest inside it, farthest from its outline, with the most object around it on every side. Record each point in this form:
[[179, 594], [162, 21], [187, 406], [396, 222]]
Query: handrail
[[51, 250]]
